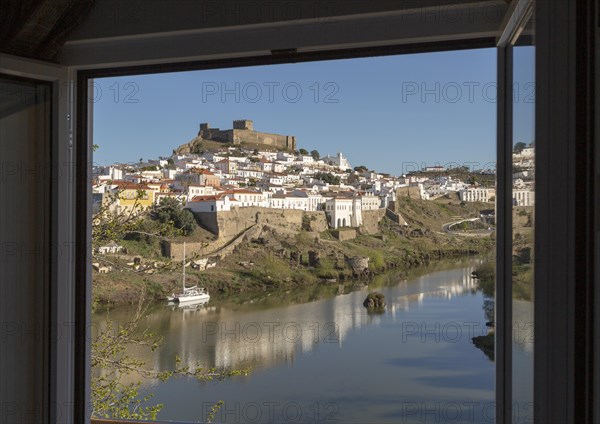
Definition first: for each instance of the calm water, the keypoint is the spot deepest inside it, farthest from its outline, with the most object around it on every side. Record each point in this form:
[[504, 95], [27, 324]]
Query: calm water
[[318, 356]]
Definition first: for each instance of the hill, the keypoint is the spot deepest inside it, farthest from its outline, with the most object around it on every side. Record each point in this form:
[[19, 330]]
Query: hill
[[202, 145]]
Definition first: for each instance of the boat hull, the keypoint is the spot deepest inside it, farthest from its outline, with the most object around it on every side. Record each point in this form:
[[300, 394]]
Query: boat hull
[[192, 299]]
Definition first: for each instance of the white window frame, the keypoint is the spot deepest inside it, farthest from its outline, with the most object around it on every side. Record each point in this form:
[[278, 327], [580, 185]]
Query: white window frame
[[61, 373]]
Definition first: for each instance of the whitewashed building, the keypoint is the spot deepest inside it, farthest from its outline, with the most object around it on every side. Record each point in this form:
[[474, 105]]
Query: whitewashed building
[[110, 248], [525, 197], [339, 161], [370, 202], [194, 190], [247, 198], [344, 211], [216, 203], [478, 194]]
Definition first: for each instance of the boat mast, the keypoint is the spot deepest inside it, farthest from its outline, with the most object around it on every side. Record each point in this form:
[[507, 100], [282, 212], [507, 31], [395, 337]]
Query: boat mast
[[183, 265]]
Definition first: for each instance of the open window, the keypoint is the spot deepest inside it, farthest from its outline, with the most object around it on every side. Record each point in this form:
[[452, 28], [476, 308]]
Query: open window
[[116, 41], [37, 240]]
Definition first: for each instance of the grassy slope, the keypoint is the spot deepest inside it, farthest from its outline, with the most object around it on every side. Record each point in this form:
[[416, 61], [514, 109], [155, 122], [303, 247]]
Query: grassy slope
[[393, 248], [432, 214]]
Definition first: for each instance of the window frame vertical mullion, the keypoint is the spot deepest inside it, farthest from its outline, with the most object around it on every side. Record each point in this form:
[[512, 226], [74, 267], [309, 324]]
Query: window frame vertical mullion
[[503, 324]]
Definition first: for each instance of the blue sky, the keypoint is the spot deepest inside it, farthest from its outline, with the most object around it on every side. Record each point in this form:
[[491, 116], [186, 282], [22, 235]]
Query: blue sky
[[390, 113], [524, 94]]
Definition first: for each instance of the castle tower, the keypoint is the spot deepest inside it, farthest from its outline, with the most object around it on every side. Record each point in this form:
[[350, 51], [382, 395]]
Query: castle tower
[[203, 128], [290, 142], [243, 124]]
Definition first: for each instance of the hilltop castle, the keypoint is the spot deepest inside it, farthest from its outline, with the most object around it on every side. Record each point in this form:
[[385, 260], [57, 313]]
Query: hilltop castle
[[243, 132]]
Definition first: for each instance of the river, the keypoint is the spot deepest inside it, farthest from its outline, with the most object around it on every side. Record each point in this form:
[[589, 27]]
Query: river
[[319, 356]]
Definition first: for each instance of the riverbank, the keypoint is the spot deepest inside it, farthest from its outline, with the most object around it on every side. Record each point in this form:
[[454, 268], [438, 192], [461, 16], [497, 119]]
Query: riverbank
[[252, 271], [286, 260]]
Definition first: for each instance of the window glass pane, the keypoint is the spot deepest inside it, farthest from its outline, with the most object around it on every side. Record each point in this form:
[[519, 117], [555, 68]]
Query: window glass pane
[[523, 194]]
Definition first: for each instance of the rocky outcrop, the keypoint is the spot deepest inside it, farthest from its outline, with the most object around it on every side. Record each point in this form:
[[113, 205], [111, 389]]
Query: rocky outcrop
[[314, 258], [359, 264], [374, 301]]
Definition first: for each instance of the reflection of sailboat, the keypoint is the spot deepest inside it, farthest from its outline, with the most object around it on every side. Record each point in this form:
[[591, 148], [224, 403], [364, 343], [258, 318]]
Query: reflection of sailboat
[[189, 295]]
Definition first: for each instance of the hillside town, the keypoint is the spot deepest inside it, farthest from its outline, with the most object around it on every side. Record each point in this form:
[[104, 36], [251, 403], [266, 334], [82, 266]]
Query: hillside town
[[238, 177]]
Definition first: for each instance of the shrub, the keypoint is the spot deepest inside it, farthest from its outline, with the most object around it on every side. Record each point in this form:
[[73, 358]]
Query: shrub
[[170, 211]]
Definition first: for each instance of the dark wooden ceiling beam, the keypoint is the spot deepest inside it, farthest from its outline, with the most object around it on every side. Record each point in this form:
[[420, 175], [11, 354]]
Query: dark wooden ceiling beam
[[37, 29]]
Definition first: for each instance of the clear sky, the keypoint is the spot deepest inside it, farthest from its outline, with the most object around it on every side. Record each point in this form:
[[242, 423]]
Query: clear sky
[[524, 94], [390, 113]]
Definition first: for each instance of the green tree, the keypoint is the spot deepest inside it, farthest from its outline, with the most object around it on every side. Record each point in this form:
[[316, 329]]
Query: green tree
[[361, 168], [170, 211], [315, 154], [518, 148], [110, 223], [303, 151], [327, 178]]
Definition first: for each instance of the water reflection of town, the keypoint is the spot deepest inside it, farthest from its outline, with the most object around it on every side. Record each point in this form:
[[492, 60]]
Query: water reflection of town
[[220, 336]]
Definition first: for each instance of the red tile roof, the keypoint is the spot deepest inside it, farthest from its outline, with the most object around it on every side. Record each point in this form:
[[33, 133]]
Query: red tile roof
[[128, 185], [201, 171], [205, 198]]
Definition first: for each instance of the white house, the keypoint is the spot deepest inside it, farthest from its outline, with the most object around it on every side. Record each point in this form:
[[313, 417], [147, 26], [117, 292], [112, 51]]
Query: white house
[[169, 173], [216, 203], [524, 197], [285, 157], [246, 198], [275, 179], [265, 165], [115, 173], [305, 159], [344, 211], [314, 198], [288, 201], [435, 168], [478, 194], [526, 153], [279, 167], [193, 163], [194, 190], [110, 247], [298, 199], [227, 166], [249, 173], [429, 191], [369, 202]]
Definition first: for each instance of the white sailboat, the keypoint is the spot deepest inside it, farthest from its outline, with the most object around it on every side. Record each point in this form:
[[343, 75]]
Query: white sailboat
[[189, 295]]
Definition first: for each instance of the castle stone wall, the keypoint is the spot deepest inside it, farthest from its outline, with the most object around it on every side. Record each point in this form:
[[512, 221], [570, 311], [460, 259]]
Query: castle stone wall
[[243, 132], [370, 221], [229, 224], [317, 221], [412, 192], [276, 140], [344, 234]]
